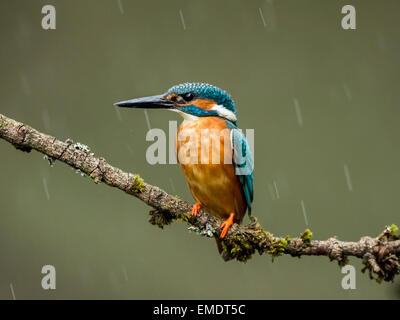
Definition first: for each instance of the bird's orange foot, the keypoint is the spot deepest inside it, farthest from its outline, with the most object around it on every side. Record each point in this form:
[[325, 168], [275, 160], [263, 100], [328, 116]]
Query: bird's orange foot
[[225, 225], [195, 209]]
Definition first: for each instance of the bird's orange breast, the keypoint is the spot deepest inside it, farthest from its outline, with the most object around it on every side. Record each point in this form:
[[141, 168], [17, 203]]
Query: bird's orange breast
[[213, 183]]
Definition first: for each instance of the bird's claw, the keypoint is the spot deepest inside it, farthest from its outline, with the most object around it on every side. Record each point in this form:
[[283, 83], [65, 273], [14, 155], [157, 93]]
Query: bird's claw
[[195, 209], [225, 226]]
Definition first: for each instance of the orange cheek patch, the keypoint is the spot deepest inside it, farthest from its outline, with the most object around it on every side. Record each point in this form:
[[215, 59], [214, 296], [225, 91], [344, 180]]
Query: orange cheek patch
[[205, 104]]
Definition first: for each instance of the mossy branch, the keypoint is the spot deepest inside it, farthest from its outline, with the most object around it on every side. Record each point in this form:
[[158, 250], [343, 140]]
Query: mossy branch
[[380, 255]]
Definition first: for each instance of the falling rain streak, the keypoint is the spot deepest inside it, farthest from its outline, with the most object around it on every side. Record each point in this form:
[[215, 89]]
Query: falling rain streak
[[125, 272], [26, 88], [120, 6], [46, 189], [348, 179], [182, 19], [262, 17], [298, 112], [147, 119], [119, 117], [12, 291], [276, 190], [303, 208]]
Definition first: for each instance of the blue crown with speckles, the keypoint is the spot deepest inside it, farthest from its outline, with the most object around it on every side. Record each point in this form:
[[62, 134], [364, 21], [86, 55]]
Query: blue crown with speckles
[[205, 91]]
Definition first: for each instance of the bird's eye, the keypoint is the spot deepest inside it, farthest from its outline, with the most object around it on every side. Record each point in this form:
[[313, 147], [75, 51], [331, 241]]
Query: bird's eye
[[188, 96]]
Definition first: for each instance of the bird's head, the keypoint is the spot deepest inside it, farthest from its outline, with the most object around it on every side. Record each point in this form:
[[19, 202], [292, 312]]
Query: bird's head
[[191, 100]]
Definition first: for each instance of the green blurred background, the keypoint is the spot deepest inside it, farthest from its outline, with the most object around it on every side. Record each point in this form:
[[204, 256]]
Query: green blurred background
[[64, 82]]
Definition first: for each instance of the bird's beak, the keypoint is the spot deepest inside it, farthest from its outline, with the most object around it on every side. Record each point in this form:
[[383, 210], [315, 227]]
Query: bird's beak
[[153, 102]]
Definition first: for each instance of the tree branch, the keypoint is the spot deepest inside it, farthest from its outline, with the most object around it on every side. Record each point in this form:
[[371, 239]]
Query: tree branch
[[380, 255]]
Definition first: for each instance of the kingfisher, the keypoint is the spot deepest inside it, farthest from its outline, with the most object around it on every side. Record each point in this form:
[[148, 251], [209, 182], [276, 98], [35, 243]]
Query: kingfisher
[[222, 188]]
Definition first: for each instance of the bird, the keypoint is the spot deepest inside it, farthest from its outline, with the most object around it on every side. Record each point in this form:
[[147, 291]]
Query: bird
[[222, 188]]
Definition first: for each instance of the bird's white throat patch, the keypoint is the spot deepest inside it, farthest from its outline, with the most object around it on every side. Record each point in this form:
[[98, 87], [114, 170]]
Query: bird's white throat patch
[[224, 112]]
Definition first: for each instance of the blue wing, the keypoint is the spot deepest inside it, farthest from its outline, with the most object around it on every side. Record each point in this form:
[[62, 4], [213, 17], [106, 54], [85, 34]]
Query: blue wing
[[244, 164]]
